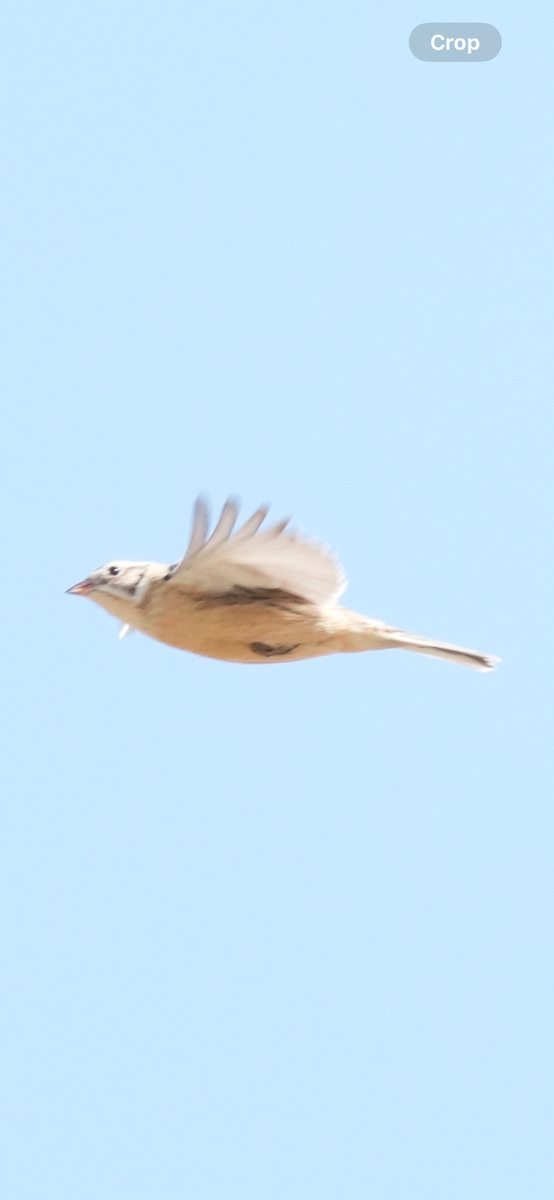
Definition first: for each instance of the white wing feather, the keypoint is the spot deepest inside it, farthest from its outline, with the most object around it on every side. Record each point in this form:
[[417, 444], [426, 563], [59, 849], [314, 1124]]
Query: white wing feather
[[274, 558]]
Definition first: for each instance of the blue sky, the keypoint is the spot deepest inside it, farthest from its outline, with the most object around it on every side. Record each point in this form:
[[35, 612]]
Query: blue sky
[[282, 932]]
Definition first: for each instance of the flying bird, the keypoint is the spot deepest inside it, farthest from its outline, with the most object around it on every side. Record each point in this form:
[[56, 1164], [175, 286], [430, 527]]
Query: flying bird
[[250, 595]]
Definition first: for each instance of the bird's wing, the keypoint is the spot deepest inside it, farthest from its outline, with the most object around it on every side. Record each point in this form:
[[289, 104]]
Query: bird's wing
[[247, 559]]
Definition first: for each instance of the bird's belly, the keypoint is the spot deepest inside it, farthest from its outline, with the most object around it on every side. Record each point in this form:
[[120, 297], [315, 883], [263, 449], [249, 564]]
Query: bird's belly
[[254, 633]]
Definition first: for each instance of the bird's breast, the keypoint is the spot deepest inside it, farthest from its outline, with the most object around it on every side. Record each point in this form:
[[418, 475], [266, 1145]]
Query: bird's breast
[[258, 631]]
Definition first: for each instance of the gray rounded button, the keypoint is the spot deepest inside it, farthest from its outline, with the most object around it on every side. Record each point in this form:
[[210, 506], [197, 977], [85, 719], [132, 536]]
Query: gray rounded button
[[455, 41]]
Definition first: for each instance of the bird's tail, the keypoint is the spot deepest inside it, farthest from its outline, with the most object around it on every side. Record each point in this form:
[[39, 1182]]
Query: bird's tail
[[423, 645], [365, 634]]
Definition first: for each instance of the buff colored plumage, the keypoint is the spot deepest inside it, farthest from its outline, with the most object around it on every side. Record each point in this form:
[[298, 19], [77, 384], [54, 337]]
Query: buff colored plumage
[[250, 595]]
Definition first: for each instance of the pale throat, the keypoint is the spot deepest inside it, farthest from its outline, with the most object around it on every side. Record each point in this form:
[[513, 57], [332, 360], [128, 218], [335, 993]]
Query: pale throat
[[123, 607]]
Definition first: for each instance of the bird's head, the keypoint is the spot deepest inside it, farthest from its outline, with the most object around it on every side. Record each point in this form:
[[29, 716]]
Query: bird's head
[[118, 586]]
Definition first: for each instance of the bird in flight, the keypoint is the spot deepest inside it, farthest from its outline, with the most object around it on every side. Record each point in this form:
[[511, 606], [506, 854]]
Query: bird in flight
[[250, 595]]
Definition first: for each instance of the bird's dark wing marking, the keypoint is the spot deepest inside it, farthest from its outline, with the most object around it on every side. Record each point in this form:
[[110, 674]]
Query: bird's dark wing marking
[[266, 651], [269, 597]]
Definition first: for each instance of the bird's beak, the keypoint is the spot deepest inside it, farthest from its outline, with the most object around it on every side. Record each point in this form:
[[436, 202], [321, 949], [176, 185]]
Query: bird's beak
[[81, 589]]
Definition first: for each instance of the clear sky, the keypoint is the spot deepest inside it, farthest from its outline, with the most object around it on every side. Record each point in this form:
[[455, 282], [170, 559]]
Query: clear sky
[[279, 933]]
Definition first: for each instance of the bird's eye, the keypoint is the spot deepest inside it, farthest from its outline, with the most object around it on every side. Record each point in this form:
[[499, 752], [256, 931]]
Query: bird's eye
[[114, 570]]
